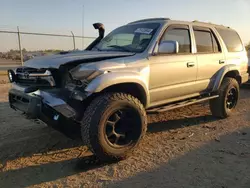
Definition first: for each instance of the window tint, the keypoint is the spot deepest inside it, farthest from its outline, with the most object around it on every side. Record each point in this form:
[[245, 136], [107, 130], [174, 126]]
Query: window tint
[[204, 41], [132, 38], [216, 44], [181, 36], [120, 39], [231, 39]]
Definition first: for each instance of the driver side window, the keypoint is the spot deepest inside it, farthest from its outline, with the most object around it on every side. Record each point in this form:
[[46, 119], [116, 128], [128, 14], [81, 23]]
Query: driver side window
[[181, 35]]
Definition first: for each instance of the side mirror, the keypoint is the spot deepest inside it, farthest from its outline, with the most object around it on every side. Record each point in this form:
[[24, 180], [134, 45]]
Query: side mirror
[[168, 47]]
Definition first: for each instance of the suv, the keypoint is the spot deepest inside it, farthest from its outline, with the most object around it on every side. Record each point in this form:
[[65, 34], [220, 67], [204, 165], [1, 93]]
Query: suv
[[103, 94]]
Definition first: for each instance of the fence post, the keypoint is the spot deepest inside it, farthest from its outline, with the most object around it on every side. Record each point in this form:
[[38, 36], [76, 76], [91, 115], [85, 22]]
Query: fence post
[[20, 46], [74, 42]]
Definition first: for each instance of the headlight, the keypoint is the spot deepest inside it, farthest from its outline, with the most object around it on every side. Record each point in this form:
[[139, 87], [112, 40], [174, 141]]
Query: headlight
[[81, 78], [86, 75], [11, 76]]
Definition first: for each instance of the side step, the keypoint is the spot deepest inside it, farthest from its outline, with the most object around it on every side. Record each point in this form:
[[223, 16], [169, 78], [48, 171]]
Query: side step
[[179, 104]]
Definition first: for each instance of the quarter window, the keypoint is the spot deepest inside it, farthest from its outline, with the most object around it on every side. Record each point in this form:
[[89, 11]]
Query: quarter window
[[231, 39], [182, 36]]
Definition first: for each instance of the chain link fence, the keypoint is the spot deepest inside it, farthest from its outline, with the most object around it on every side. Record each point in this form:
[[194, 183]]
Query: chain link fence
[[18, 46]]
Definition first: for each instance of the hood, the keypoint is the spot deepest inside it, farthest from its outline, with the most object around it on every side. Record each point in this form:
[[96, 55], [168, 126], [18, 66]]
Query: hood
[[55, 61]]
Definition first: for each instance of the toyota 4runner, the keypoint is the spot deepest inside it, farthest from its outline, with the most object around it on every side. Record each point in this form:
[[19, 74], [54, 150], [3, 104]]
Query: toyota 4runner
[[102, 94]]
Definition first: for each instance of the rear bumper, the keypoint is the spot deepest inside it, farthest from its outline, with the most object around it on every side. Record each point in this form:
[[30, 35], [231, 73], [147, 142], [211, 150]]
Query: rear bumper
[[244, 78]]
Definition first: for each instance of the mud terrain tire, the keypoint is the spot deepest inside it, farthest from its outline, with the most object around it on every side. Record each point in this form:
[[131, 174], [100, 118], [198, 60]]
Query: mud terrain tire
[[116, 115], [225, 104]]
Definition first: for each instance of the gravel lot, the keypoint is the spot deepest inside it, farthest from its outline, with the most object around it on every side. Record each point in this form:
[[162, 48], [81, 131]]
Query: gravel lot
[[183, 148]]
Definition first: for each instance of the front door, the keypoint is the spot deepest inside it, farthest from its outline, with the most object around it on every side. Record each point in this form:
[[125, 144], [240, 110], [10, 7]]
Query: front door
[[173, 76]]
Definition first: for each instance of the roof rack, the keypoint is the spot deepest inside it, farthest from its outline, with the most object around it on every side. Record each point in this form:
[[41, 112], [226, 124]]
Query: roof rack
[[209, 23], [150, 19]]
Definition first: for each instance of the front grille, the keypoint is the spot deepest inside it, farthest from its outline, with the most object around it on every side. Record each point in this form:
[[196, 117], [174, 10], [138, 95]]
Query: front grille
[[25, 76], [29, 70]]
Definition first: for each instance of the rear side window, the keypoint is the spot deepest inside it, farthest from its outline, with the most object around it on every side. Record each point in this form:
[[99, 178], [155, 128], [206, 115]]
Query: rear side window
[[216, 44], [231, 39], [206, 41], [181, 35]]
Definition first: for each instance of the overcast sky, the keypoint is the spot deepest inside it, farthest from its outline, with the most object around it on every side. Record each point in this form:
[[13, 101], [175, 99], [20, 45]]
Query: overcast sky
[[63, 16]]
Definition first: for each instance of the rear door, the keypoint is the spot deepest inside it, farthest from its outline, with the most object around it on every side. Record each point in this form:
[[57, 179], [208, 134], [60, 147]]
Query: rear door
[[210, 56]]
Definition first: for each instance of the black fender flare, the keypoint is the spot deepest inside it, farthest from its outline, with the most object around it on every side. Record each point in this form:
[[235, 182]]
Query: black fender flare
[[221, 74]]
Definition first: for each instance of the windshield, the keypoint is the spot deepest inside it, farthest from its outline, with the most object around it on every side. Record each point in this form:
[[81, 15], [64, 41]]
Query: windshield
[[129, 38]]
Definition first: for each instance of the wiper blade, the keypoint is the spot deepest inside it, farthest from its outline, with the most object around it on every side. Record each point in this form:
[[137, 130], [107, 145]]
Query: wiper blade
[[119, 47]]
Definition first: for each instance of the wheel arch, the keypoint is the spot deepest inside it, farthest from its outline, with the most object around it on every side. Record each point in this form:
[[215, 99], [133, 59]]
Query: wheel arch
[[230, 71], [131, 88], [130, 83]]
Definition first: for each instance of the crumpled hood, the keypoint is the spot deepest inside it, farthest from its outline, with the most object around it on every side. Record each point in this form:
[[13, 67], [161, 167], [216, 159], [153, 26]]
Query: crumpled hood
[[55, 61]]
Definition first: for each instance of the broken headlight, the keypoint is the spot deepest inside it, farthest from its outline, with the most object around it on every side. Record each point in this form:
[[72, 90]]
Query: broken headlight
[[87, 74], [83, 78]]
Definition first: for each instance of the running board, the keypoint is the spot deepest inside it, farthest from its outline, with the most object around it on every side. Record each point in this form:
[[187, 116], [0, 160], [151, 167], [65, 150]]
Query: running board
[[179, 105]]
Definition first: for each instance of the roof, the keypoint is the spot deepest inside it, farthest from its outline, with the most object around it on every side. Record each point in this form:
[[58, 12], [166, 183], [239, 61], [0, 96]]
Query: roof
[[196, 22]]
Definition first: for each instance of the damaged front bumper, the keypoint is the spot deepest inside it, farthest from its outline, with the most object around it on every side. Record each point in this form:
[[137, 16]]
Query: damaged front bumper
[[48, 105]]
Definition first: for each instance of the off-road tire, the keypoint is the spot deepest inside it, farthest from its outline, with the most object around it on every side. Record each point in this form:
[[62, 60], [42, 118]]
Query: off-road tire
[[92, 130], [218, 105]]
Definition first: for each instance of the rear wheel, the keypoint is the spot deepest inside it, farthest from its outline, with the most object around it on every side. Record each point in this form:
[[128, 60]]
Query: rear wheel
[[224, 105], [113, 125]]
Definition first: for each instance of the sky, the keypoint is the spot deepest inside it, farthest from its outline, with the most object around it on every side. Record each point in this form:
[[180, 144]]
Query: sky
[[63, 16]]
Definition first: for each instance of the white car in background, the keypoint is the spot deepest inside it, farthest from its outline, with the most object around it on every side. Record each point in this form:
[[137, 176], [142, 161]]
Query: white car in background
[[248, 55]]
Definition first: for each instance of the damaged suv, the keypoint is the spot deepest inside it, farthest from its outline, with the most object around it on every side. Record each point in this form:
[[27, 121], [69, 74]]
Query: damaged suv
[[102, 94]]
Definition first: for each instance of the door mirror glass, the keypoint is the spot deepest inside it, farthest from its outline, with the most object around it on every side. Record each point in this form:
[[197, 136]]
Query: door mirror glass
[[168, 47]]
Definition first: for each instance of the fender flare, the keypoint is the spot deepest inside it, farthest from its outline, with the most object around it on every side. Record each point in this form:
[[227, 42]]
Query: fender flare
[[221, 74], [112, 78]]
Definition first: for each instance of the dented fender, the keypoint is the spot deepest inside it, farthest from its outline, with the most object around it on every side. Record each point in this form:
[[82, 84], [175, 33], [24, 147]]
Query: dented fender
[[112, 78]]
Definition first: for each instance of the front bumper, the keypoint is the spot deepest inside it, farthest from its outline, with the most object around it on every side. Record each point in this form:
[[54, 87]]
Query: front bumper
[[50, 106], [34, 103]]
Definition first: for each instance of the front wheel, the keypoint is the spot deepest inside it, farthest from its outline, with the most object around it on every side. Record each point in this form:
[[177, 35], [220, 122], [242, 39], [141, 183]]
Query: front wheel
[[224, 105], [113, 125]]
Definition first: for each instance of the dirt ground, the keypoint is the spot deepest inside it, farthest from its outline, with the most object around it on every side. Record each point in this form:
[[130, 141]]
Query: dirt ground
[[183, 148]]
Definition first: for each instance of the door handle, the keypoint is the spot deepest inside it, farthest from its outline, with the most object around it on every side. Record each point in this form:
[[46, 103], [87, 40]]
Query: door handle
[[190, 64], [221, 61]]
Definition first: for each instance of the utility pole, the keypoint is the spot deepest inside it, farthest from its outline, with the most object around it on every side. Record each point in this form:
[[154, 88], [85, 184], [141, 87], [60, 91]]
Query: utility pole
[[20, 46], [82, 26]]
